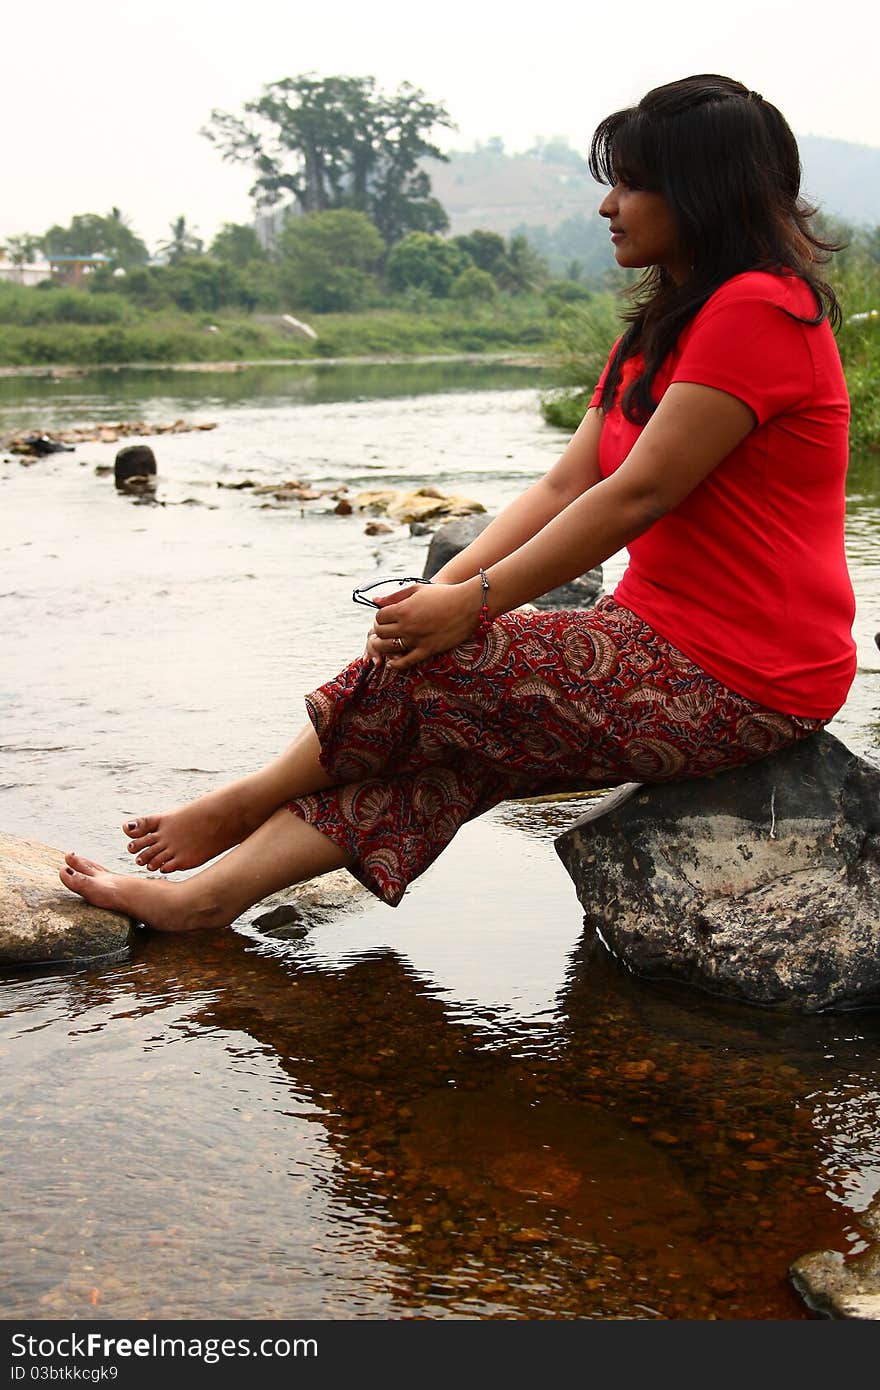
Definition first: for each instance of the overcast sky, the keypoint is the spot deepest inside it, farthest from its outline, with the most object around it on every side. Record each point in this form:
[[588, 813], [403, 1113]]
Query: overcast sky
[[102, 103]]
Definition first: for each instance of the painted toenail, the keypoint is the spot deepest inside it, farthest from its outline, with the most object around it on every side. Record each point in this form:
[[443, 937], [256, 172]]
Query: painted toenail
[[132, 825], [69, 871]]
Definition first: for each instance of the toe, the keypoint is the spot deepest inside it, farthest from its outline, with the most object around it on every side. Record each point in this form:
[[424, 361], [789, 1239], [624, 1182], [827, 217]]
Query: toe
[[141, 826], [74, 880], [83, 866], [141, 842], [150, 854]]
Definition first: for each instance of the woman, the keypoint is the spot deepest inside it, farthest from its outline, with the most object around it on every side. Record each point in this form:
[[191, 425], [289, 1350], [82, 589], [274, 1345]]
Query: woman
[[715, 449]]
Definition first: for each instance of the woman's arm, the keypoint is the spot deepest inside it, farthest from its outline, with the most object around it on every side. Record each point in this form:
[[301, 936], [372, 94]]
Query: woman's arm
[[576, 470], [693, 429]]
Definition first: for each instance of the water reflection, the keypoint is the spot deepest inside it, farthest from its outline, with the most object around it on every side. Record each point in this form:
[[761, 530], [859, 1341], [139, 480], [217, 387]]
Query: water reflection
[[230, 1106], [60, 400]]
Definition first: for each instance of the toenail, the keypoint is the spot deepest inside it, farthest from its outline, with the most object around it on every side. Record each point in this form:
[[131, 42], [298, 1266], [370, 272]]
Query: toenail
[[69, 871], [132, 825]]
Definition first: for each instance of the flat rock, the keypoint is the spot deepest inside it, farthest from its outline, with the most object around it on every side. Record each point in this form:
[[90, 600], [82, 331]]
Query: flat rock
[[39, 920], [761, 884], [294, 910]]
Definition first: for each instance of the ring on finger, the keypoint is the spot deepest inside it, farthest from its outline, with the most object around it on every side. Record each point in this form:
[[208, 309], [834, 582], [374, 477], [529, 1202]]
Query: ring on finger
[[400, 644]]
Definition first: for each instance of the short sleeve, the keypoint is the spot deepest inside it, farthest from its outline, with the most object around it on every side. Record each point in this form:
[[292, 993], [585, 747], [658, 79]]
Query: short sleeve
[[752, 348]]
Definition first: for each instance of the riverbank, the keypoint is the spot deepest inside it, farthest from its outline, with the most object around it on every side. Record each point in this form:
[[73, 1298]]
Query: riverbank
[[117, 333]]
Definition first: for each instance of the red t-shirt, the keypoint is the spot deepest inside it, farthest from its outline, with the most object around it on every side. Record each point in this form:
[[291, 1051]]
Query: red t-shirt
[[747, 576]]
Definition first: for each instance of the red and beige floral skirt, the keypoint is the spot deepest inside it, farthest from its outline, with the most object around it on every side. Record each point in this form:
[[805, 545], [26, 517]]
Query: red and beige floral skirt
[[536, 703]]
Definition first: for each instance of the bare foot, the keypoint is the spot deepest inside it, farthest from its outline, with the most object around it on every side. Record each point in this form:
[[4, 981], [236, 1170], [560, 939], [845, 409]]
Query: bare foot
[[163, 906], [190, 835]]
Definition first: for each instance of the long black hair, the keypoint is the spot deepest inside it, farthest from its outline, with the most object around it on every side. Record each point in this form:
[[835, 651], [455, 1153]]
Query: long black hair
[[728, 165]]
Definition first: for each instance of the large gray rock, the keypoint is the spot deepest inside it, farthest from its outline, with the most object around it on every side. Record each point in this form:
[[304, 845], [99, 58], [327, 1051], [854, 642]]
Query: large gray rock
[[760, 884], [456, 535], [841, 1288], [449, 539], [39, 920]]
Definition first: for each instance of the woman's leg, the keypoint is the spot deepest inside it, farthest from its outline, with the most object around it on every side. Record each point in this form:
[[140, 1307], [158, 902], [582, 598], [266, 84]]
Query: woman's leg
[[283, 851], [190, 835]]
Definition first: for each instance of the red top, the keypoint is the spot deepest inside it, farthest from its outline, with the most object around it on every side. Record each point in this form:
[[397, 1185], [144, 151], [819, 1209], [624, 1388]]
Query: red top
[[747, 576]]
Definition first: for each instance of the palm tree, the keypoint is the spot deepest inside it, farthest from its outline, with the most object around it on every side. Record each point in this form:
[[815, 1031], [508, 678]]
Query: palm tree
[[183, 242]]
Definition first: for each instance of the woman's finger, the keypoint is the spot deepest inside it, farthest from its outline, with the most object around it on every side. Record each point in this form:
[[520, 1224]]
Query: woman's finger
[[403, 662]]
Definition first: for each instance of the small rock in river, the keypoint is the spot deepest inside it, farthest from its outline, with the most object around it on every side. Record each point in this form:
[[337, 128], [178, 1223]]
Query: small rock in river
[[134, 468]]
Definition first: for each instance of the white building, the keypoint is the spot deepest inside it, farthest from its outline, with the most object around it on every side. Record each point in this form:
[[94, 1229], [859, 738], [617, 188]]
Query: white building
[[29, 273]]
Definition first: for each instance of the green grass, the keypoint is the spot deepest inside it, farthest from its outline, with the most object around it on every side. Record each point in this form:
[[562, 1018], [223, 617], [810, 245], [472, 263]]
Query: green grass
[[75, 327]]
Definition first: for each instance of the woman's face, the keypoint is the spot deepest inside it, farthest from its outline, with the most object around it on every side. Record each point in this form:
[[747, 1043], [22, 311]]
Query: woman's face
[[644, 230]]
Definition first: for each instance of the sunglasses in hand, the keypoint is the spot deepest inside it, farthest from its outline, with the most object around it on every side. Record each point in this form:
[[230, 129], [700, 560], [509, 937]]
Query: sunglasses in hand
[[371, 594]]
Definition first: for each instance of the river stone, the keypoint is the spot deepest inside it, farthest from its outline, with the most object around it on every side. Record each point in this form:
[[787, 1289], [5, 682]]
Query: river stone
[[760, 884], [426, 502], [843, 1289], [134, 468], [39, 920], [448, 540], [294, 910], [456, 535]]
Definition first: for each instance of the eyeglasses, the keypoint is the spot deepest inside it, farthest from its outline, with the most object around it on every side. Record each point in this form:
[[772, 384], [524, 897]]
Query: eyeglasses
[[382, 588]]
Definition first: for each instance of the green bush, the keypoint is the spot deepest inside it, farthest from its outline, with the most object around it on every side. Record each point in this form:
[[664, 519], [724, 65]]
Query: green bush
[[856, 280], [423, 261], [585, 334], [32, 306], [474, 286]]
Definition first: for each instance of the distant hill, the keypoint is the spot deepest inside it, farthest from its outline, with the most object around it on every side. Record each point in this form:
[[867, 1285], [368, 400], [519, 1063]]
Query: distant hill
[[549, 194], [843, 178]]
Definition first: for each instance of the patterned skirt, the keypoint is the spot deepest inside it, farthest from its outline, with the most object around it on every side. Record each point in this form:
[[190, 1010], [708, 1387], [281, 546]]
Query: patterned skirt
[[536, 703]]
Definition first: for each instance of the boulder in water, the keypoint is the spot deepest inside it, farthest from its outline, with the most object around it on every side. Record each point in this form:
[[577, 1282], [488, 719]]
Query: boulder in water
[[760, 884]]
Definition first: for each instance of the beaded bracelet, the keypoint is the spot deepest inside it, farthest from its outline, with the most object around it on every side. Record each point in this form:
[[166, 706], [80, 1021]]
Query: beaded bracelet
[[485, 620]]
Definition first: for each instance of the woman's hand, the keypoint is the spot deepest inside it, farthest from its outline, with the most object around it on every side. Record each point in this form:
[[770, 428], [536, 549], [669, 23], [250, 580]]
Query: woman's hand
[[423, 620]]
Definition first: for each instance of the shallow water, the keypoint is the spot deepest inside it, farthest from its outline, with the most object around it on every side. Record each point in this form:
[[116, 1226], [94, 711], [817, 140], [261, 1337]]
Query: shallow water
[[453, 1109]]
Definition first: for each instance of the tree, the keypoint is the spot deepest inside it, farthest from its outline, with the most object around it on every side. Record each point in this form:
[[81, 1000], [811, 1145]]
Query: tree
[[338, 142], [327, 260], [557, 150], [90, 234], [474, 286], [525, 268], [183, 242], [426, 262], [486, 250], [237, 244], [22, 248]]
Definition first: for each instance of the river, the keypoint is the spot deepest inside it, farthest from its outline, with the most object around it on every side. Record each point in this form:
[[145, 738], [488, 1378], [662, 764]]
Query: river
[[426, 1112]]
